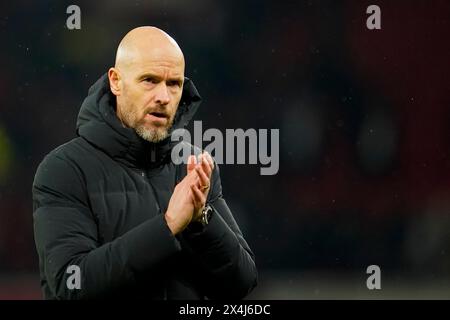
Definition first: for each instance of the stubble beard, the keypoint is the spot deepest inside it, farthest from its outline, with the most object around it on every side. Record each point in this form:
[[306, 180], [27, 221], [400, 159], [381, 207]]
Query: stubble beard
[[153, 135]]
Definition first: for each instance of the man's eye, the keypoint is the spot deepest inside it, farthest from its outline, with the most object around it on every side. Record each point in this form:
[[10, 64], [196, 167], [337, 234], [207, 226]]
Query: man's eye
[[150, 80], [174, 84]]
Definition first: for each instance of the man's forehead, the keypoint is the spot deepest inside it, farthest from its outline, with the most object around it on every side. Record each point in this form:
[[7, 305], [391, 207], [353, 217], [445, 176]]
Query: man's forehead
[[157, 58], [158, 68]]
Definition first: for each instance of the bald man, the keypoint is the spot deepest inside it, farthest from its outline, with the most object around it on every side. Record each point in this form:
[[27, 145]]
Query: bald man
[[114, 216]]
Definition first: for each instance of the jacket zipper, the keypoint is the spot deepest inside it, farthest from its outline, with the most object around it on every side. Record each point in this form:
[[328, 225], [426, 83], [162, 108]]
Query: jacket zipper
[[158, 207]]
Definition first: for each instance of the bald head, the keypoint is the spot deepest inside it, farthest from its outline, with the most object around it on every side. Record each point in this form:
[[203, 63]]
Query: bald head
[[147, 42], [147, 80]]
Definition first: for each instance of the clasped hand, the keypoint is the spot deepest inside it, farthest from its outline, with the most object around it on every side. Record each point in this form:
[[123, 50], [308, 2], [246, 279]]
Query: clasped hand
[[190, 194]]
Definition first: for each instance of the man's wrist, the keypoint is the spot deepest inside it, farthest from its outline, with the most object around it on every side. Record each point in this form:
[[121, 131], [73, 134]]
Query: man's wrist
[[172, 224], [201, 220]]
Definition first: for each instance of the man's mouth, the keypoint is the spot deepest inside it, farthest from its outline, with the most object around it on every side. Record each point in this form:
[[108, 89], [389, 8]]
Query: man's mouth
[[158, 114]]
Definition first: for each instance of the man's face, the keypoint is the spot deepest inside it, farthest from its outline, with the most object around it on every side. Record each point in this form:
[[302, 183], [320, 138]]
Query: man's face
[[150, 91]]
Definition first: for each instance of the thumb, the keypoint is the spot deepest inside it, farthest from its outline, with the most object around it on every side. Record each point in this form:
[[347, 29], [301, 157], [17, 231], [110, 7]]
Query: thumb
[[192, 161]]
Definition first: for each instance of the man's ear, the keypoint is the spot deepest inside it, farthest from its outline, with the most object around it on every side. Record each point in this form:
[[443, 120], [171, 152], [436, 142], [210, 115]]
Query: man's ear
[[114, 81]]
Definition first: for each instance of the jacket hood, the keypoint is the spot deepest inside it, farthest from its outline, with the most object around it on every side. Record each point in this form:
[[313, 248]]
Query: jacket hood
[[97, 123]]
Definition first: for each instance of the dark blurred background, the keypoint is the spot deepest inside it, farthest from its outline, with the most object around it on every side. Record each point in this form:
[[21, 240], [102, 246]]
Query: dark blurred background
[[364, 123]]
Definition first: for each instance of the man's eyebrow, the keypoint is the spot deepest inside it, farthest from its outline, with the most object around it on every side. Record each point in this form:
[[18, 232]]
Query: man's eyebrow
[[159, 78], [149, 75]]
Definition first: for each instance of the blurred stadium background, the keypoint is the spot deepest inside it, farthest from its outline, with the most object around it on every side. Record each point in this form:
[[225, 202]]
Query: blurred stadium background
[[364, 123]]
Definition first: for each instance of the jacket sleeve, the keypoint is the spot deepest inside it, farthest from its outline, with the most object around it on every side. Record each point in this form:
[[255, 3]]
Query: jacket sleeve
[[227, 263], [66, 235]]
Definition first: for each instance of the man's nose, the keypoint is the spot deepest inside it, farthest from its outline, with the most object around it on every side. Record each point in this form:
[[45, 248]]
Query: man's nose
[[162, 96]]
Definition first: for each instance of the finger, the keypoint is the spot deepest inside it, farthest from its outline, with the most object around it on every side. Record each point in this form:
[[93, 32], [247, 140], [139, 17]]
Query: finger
[[199, 197], [191, 178], [194, 197], [201, 160], [192, 161], [187, 180], [205, 165], [206, 168], [210, 159], [203, 178]]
